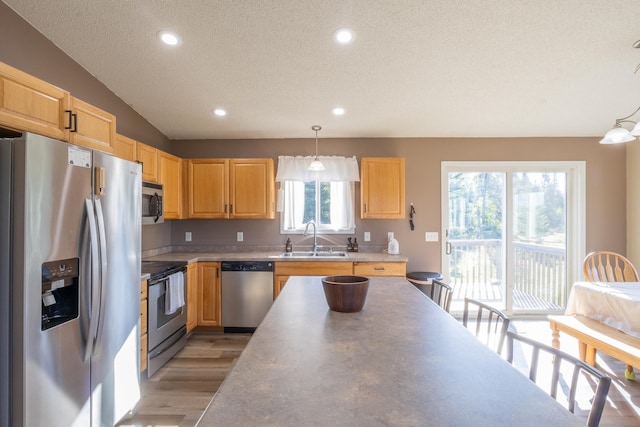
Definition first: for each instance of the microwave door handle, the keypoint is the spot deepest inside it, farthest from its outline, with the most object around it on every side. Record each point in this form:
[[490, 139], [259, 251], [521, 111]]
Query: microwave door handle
[[103, 275], [95, 298], [158, 207]]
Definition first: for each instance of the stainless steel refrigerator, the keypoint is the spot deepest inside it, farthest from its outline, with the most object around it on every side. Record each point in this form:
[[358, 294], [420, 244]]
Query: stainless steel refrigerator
[[70, 232]]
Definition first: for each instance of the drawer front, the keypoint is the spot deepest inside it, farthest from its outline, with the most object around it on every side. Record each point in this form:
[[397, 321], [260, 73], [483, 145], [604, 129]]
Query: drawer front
[[143, 352], [379, 268], [143, 290], [143, 317], [312, 268]]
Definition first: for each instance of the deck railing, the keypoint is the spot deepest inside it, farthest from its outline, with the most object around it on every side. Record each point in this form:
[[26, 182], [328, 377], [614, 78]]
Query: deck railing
[[539, 270]]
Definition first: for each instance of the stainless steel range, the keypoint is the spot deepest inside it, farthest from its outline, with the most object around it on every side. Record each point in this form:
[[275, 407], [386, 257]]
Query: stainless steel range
[[167, 331]]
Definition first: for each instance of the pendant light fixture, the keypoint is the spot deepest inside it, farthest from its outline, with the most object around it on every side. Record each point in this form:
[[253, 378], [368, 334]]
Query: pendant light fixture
[[620, 135], [316, 165]]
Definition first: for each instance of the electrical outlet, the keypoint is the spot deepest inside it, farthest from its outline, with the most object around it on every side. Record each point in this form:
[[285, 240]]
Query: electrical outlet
[[431, 236], [187, 236], [367, 236], [389, 236], [240, 236]]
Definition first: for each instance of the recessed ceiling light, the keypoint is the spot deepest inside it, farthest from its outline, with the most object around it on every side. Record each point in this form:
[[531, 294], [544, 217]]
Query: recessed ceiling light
[[169, 38], [344, 36], [338, 111], [220, 112]]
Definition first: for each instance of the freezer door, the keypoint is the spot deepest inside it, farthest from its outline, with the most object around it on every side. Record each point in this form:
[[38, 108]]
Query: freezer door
[[115, 362], [50, 386]]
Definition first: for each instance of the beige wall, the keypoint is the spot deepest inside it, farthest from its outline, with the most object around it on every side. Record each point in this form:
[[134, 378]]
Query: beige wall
[[24, 48], [606, 185]]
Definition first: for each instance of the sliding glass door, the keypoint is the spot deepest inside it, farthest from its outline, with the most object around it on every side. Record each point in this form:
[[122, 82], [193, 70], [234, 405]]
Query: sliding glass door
[[513, 232]]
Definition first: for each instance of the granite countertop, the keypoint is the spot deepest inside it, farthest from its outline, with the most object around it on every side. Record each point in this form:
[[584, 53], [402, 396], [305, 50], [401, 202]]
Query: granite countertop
[[191, 257], [401, 361]]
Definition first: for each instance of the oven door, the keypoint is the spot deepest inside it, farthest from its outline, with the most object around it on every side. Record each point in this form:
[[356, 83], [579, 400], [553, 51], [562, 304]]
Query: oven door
[[161, 325]]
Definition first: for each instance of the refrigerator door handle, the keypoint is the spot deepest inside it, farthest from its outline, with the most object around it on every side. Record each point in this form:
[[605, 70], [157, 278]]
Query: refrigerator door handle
[[103, 274], [95, 298]]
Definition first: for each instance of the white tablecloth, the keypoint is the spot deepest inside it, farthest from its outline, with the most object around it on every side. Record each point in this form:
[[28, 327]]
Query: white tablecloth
[[616, 304]]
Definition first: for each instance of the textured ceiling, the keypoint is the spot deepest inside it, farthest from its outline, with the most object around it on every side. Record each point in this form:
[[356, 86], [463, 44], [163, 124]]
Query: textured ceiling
[[417, 68]]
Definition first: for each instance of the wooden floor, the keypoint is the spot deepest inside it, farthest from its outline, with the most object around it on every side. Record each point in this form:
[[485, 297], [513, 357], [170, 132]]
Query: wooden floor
[[177, 395]]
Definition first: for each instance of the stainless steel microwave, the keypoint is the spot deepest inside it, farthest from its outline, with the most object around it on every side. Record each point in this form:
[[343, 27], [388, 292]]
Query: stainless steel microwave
[[152, 200]]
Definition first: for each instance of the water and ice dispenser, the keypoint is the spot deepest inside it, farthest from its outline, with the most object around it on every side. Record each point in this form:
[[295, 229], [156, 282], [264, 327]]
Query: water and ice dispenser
[[60, 292]]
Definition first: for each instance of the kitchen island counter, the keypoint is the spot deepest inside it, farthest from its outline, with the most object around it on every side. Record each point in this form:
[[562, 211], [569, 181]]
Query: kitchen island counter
[[400, 361]]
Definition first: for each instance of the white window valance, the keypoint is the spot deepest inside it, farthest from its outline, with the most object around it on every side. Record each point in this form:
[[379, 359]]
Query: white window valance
[[337, 169]]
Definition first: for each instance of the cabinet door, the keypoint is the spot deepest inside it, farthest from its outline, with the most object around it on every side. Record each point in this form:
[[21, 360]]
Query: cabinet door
[[251, 189], [147, 156], [143, 325], [209, 313], [208, 189], [92, 127], [170, 171], [382, 187], [379, 269], [30, 104], [192, 297], [125, 148], [278, 284]]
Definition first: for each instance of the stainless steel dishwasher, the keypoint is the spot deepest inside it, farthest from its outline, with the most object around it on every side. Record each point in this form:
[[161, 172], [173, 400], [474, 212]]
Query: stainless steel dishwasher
[[247, 294]]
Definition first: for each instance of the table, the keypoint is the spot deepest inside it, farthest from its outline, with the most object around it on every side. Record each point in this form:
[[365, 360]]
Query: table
[[401, 361], [616, 304]]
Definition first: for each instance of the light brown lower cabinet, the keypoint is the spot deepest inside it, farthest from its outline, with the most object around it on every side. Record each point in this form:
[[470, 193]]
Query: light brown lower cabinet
[[192, 297], [143, 326], [209, 295], [282, 271]]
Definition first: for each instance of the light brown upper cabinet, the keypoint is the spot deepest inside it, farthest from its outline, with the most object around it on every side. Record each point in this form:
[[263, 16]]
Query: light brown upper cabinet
[[125, 148], [251, 188], [32, 105], [231, 188], [170, 174], [382, 187], [92, 127], [147, 156]]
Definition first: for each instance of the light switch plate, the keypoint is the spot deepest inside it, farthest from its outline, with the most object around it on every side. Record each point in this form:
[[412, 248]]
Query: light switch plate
[[240, 236], [367, 236], [187, 236], [431, 236]]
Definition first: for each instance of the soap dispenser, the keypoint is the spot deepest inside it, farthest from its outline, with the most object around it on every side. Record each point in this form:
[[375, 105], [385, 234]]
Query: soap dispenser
[[288, 247], [355, 245], [393, 248]]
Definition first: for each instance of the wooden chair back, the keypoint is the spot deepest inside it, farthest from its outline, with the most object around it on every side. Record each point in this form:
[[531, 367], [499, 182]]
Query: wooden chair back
[[605, 266], [441, 294], [559, 358], [488, 323]]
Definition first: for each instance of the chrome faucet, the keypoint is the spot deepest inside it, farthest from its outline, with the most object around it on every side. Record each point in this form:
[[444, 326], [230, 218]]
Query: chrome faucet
[[315, 241]]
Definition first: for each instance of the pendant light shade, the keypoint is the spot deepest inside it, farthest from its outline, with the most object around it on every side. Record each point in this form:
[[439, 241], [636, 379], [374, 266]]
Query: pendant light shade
[[617, 136], [316, 165]]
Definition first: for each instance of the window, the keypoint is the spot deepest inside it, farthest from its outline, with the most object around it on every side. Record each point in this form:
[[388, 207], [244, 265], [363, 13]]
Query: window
[[326, 197]]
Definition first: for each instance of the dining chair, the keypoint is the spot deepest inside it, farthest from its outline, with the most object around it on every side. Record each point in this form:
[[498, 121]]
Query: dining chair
[[490, 323], [606, 266], [441, 294], [560, 359]]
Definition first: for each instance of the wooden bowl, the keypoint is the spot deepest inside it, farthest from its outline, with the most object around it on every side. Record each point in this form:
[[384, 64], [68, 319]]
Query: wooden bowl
[[345, 294]]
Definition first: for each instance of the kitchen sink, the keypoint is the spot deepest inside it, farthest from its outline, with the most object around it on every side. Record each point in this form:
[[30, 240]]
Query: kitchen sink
[[322, 254]]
